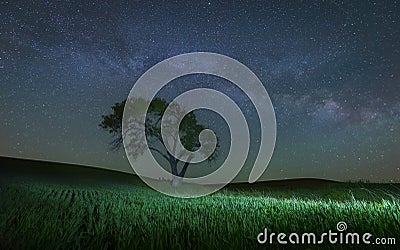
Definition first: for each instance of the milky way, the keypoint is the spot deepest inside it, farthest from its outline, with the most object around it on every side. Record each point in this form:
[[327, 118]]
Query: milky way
[[331, 69]]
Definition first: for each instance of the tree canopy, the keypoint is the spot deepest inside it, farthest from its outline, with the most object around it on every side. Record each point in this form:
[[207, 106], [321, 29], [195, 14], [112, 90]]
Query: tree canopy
[[189, 130]]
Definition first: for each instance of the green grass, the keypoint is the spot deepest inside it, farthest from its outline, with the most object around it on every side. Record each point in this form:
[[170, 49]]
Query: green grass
[[52, 205], [40, 214]]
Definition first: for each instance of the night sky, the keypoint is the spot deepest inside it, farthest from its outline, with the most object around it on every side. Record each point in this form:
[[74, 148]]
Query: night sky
[[331, 68]]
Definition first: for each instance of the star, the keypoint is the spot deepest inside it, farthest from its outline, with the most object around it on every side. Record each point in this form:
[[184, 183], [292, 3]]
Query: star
[[330, 70]]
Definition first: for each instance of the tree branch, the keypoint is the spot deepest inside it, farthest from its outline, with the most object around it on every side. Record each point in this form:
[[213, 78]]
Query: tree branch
[[185, 166], [159, 151]]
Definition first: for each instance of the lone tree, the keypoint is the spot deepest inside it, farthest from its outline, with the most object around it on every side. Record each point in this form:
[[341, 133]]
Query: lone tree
[[189, 131]]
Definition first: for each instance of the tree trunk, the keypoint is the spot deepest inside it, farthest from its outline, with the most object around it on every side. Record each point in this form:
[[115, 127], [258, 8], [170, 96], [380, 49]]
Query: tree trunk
[[184, 168], [176, 179], [174, 166]]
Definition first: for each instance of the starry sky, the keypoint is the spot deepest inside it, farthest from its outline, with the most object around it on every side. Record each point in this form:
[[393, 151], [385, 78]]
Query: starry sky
[[331, 68]]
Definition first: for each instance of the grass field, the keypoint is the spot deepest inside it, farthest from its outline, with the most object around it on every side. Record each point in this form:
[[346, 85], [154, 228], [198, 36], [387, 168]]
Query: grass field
[[100, 209]]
